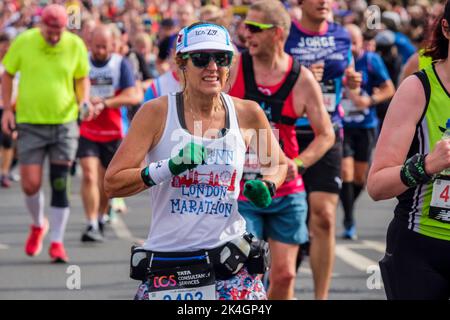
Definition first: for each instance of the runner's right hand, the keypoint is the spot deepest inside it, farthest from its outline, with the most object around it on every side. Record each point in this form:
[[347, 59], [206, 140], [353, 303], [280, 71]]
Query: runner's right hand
[[317, 70], [257, 192], [188, 158], [8, 122], [439, 158]]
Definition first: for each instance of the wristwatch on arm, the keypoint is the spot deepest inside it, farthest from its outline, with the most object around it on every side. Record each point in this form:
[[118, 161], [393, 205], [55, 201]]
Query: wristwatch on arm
[[300, 165], [271, 186]]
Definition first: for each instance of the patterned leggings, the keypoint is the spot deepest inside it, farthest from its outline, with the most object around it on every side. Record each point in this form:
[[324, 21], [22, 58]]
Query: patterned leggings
[[242, 286]]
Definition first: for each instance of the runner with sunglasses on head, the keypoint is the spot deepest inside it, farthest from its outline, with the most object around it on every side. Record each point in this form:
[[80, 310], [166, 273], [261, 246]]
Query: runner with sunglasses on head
[[409, 160], [323, 47], [285, 91], [195, 148]]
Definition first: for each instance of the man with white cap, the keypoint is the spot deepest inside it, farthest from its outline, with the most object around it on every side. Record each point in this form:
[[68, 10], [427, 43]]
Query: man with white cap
[[53, 66], [195, 147]]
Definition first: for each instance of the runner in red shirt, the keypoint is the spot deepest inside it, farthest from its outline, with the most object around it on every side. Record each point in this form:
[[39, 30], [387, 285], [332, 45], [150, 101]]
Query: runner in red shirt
[[112, 86], [286, 91]]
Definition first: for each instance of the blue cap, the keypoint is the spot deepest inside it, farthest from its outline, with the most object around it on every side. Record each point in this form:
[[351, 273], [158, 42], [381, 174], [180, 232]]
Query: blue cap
[[447, 125]]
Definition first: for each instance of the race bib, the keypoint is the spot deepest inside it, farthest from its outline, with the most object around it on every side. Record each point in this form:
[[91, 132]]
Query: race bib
[[329, 95], [102, 87], [195, 282], [252, 168], [349, 107], [440, 200]]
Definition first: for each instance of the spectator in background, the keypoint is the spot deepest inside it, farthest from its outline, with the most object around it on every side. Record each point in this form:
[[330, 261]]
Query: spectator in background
[[211, 13], [185, 15], [143, 45], [239, 35], [385, 47], [87, 27], [167, 37], [404, 45]]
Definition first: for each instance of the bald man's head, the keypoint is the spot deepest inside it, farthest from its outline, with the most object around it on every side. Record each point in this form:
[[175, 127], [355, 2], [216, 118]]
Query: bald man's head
[[357, 39], [101, 43]]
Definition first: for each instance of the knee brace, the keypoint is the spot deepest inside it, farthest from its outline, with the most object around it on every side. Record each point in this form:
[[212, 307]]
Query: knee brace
[[59, 178]]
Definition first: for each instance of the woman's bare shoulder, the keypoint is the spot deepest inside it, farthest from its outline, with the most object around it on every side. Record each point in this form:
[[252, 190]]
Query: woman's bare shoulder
[[247, 111]]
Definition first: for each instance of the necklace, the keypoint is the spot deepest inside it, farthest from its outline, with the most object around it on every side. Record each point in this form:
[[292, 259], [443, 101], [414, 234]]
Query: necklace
[[198, 123]]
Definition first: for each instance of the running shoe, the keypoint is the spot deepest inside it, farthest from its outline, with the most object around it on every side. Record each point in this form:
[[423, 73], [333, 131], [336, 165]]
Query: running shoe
[[5, 182], [33, 246], [119, 205], [58, 253], [350, 233], [91, 235]]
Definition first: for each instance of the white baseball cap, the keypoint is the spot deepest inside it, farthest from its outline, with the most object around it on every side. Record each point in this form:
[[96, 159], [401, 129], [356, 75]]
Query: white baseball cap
[[205, 36]]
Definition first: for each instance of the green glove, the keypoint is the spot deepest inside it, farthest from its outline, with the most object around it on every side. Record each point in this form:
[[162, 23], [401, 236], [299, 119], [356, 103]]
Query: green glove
[[188, 158], [257, 192]]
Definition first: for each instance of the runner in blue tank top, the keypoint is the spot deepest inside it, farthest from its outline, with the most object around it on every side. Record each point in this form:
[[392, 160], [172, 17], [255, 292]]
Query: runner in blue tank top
[[329, 47], [360, 123], [325, 48]]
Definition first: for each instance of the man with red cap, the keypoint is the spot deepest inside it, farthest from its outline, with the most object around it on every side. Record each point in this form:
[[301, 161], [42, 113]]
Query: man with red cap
[[54, 68]]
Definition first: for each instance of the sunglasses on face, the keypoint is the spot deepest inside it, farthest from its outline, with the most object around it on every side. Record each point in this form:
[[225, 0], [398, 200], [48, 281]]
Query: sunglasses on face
[[256, 27], [202, 59]]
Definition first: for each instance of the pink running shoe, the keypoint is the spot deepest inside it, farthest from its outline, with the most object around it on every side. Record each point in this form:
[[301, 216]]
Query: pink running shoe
[[58, 253], [33, 246]]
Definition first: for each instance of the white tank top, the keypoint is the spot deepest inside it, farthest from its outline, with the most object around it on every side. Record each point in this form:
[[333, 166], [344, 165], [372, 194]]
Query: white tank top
[[197, 209], [105, 81], [167, 83]]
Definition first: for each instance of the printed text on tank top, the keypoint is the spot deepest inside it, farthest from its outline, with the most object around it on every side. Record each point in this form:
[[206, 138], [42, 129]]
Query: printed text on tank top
[[199, 206]]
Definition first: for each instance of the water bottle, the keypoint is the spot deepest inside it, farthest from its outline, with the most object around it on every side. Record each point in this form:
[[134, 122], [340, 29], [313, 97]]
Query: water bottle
[[446, 135], [84, 112]]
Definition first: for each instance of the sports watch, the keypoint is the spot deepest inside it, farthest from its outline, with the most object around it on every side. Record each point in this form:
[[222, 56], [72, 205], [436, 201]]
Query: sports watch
[[271, 186], [301, 167]]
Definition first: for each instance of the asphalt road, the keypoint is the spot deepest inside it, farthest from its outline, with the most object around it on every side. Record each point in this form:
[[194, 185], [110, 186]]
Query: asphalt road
[[103, 268]]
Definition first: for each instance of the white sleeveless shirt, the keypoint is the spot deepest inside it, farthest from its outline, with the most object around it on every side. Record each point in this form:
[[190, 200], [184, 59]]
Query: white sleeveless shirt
[[105, 80], [197, 209]]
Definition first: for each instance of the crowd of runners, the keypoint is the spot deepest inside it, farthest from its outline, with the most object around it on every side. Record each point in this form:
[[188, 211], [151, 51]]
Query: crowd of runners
[[249, 122]]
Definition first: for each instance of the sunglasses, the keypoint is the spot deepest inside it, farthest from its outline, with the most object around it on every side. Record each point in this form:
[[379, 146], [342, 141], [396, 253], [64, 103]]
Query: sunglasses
[[202, 59], [256, 27]]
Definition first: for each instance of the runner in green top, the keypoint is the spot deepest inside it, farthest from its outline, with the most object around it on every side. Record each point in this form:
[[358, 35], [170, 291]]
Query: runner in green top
[[47, 73], [417, 264], [53, 66]]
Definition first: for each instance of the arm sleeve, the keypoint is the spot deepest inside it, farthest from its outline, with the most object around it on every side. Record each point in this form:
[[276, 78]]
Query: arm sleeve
[[126, 75]]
